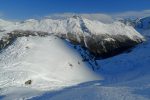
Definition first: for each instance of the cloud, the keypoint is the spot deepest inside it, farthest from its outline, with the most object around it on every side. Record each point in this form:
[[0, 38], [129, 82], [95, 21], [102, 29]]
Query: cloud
[[134, 14], [60, 15], [1, 14], [101, 17], [95, 16], [105, 18]]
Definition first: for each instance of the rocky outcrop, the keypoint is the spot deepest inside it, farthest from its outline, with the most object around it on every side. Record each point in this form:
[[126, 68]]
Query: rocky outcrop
[[28, 82], [104, 46]]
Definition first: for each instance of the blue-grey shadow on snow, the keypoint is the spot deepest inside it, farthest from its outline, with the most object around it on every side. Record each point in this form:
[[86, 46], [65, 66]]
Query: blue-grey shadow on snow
[[144, 92], [2, 97], [50, 94]]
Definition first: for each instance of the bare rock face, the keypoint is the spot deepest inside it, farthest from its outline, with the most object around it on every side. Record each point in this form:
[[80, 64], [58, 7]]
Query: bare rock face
[[103, 46], [106, 46], [75, 39]]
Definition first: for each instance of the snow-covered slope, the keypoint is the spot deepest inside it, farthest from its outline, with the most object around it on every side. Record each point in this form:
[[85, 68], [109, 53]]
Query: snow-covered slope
[[34, 60], [47, 61]]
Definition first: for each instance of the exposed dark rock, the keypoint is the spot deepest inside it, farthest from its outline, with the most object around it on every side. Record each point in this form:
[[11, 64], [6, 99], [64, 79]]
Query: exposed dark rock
[[29, 82], [101, 47], [27, 47], [78, 62], [72, 38], [70, 64]]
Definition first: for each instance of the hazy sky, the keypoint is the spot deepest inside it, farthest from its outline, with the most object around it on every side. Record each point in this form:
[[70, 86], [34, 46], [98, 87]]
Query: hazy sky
[[24, 9]]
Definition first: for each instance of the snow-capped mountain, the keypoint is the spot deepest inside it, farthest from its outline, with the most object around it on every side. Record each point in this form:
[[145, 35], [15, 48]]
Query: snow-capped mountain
[[75, 25], [36, 59], [98, 37], [143, 23], [143, 26]]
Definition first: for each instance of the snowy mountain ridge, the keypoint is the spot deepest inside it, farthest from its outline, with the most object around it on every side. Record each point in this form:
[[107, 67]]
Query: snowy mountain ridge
[[75, 24], [107, 37]]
